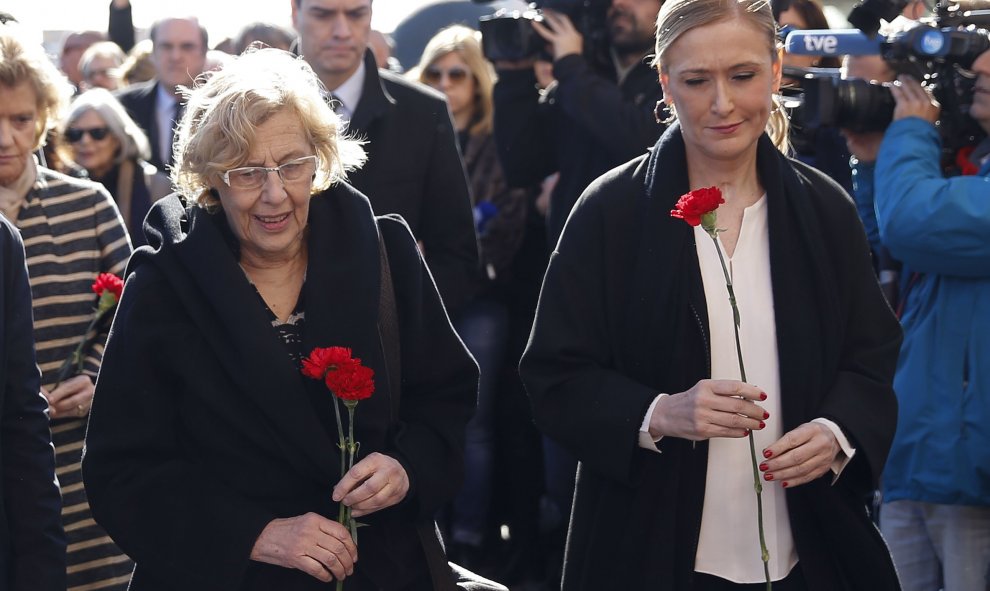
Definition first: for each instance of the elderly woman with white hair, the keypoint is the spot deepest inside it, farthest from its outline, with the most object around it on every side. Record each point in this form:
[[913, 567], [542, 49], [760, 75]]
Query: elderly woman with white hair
[[103, 139], [210, 458]]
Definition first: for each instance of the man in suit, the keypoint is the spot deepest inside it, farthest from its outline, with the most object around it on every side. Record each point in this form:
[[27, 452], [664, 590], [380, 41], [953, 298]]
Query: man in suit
[[179, 55], [413, 167], [32, 543]]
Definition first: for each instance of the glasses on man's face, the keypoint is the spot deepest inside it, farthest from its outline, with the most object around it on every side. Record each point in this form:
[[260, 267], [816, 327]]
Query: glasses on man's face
[[75, 134], [254, 177], [433, 75]]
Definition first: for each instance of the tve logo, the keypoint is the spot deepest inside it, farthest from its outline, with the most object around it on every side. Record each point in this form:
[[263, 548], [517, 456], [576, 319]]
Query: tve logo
[[821, 43]]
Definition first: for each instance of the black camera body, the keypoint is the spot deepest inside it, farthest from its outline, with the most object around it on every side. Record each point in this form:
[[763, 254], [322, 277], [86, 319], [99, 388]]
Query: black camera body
[[509, 35]]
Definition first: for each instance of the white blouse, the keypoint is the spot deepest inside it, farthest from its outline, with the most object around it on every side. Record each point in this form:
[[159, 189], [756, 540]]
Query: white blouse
[[729, 544]]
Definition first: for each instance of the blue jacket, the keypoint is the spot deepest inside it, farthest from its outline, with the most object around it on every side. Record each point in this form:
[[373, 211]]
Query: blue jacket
[[939, 228]]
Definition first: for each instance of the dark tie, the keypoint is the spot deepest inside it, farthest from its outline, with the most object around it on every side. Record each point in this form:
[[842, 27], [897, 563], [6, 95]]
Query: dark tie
[[176, 116], [337, 105]]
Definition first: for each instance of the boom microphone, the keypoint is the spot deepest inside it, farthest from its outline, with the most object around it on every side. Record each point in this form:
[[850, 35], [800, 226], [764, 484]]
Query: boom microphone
[[831, 42]]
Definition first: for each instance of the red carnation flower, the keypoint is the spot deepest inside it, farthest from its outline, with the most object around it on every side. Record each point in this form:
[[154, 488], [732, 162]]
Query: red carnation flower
[[692, 206], [324, 359], [108, 282], [351, 381]]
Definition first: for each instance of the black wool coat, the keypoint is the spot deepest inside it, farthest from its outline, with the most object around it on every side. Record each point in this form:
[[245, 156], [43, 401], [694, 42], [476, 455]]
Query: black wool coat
[[622, 317], [139, 101], [203, 430], [415, 170]]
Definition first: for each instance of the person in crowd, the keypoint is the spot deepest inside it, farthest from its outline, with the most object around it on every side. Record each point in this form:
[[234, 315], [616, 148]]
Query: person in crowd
[[413, 167], [383, 46], [453, 63], [823, 147], [75, 44], [139, 65], [100, 65], [936, 486], [594, 118], [33, 555], [224, 472], [268, 35], [633, 365], [72, 232], [104, 140], [179, 48]]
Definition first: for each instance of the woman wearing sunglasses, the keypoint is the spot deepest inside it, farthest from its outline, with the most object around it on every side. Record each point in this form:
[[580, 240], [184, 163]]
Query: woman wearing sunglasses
[[453, 63], [99, 136]]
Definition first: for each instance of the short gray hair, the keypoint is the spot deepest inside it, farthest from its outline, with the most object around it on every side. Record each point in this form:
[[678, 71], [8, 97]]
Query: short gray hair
[[133, 142]]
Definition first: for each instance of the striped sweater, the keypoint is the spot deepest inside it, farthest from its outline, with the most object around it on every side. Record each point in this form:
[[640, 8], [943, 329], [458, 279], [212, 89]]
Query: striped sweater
[[72, 231]]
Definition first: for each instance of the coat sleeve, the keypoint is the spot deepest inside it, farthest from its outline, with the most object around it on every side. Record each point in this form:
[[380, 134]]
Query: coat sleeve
[[579, 398], [861, 399], [623, 128], [160, 507], [439, 378], [930, 223], [447, 226], [30, 495]]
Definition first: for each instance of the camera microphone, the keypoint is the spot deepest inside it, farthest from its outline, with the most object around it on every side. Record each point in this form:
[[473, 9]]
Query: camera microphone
[[831, 42]]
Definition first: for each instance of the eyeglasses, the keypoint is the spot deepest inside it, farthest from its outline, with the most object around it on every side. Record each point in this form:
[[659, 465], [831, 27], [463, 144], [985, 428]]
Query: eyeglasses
[[254, 177], [75, 134], [434, 75]]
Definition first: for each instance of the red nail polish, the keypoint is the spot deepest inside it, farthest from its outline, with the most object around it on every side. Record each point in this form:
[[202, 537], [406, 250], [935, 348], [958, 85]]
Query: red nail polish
[[763, 467], [762, 424], [763, 395], [768, 476], [766, 415], [767, 454], [783, 484]]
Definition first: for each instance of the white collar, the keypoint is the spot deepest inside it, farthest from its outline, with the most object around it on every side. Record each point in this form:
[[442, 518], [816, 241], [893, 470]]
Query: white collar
[[349, 93]]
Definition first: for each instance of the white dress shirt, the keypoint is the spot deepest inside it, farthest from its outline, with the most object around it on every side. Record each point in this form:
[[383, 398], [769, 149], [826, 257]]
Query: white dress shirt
[[165, 104], [729, 546], [349, 93]]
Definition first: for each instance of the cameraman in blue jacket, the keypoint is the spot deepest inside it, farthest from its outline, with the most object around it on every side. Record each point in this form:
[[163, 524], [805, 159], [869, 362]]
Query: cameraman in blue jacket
[[936, 485]]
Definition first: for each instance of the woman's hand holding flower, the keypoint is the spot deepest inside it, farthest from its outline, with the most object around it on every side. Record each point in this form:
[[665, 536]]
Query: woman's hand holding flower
[[319, 547], [712, 408], [801, 455], [72, 398], [375, 483]]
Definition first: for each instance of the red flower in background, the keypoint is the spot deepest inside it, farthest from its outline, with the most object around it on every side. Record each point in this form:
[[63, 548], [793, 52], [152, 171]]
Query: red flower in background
[[692, 206], [108, 282]]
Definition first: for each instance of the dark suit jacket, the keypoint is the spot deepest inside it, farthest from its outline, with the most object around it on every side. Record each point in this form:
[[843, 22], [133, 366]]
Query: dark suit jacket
[[203, 430], [623, 317], [139, 100], [32, 543], [414, 170]]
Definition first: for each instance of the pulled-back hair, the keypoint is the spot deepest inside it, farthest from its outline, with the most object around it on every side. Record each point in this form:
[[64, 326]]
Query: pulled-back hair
[[218, 129], [677, 17], [24, 62]]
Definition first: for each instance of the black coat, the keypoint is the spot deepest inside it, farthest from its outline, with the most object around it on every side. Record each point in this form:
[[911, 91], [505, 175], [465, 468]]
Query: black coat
[[414, 169], [139, 101], [582, 126], [203, 431], [622, 317], [32, 543]]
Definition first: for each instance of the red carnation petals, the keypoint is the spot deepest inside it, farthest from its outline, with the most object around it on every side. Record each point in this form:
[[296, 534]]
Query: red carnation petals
[[691, 206]]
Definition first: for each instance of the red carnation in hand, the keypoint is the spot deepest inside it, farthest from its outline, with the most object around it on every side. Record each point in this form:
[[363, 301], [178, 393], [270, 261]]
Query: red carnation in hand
[[108, 282], [352, 381], [324, 359], [698, 207]]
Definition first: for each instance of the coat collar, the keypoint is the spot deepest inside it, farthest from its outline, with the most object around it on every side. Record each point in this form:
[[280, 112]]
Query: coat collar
[[375, 98]]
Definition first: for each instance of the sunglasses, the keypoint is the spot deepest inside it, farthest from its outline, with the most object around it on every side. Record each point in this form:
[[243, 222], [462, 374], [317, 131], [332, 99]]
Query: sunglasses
[[75, 134], [434, 75]]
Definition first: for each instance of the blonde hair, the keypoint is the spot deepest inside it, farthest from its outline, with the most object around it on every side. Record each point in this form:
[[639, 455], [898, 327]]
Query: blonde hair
[[466, 43], [677, 17], [133, 142], [24, 62], [222, 113]]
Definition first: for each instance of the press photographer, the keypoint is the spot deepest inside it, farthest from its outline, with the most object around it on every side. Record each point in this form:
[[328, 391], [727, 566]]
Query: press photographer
[[595, 115]]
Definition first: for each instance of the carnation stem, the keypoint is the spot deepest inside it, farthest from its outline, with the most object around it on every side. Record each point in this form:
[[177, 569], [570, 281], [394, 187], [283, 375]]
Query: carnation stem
[[73, 365], [351, 450], [342, 509], [764, 553]]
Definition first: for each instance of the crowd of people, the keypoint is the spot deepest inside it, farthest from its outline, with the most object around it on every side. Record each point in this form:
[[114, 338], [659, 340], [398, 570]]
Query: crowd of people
[[572, 387]]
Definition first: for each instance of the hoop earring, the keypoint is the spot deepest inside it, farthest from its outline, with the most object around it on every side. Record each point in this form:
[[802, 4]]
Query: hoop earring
[[664, 113]]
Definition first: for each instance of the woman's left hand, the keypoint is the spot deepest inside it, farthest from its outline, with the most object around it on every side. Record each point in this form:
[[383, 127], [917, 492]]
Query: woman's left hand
[[72, 398], [375, 483], [800, 456]]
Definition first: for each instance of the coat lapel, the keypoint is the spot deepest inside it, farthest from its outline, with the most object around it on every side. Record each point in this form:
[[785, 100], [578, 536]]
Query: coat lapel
[[374, 99]]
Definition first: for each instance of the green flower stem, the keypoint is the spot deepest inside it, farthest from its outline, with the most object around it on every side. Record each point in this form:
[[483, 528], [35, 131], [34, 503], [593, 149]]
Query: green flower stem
[[342, 513], [74, 364], [351, 451], [764, 553]]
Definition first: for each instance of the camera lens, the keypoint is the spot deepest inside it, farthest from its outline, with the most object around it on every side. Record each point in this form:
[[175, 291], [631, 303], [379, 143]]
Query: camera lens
[[863, 106]]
